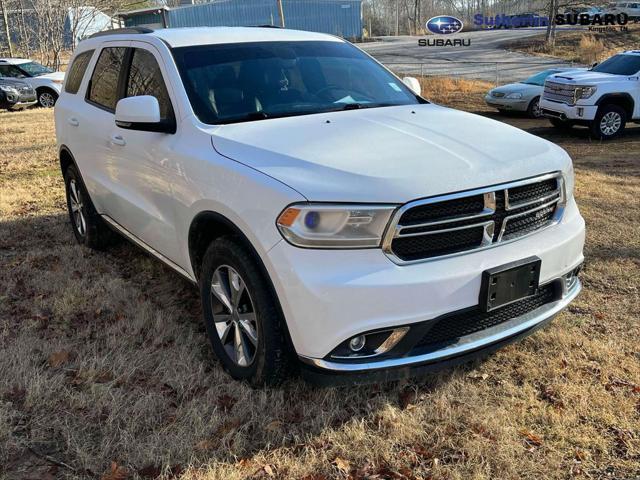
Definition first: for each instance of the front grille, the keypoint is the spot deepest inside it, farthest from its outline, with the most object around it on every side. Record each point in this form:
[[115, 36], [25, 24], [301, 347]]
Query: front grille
[[451, 328], [443, 226], [558, 92]]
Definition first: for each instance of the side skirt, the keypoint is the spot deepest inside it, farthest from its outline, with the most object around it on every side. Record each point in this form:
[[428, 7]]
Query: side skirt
[[135, 240]]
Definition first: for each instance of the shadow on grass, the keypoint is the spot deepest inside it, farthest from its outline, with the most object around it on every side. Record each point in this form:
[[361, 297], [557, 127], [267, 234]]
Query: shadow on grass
[[172, 368]]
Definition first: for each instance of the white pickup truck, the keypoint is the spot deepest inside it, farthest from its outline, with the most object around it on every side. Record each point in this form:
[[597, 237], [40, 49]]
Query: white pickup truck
[[603, 98]]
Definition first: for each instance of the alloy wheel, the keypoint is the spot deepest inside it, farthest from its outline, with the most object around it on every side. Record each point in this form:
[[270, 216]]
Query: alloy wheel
[[47, 100], [234, 316], [77, 208], [536, 111], [610, 123]]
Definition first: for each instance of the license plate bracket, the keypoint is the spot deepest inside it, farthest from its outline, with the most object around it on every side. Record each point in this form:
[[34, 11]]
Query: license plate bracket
[[509, 283]]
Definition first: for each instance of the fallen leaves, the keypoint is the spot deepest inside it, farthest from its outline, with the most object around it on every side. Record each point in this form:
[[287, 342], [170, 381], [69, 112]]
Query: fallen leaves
[[115, 472], [531, 439], [57, 359], [341, 464]]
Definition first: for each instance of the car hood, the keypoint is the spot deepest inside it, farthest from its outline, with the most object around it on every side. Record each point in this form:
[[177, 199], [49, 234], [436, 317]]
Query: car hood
[[523, 88], [390, 154], [584, 77], [52, 76]]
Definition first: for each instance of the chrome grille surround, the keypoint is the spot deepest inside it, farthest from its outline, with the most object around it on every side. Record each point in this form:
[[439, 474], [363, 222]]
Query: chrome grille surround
[[491, 237], [559, 92]]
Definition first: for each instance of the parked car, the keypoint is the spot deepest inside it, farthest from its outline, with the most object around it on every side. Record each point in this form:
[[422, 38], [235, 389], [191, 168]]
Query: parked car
[[331, 217], [522, 96], [16, 95], [632, 9], [603, 98], [44, 81]]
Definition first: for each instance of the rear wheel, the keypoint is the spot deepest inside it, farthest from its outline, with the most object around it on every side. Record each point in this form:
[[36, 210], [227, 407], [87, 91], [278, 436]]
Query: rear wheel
[[241, 314], [610, 122], [88, 228]]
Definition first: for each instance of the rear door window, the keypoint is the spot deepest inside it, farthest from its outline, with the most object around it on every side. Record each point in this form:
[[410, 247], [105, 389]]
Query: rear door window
[[145, 78], [103, 90], [77, 71]]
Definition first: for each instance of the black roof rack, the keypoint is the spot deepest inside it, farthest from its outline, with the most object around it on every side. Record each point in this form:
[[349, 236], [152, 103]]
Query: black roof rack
[[265, 26], [120, 31]]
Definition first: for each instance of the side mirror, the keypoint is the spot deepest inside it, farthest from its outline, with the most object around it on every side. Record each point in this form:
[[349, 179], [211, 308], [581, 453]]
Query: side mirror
[[413, 84], [142, 113]]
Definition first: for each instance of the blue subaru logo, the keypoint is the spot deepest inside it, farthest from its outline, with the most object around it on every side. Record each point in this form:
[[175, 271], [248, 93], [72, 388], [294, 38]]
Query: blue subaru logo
[[444, 24]]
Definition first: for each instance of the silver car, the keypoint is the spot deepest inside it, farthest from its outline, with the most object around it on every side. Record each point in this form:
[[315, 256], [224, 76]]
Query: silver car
[[522, 96]]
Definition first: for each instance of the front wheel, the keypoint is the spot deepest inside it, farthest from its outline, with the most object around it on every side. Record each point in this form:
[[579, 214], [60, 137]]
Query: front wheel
[[243, 320], [610, 122], [534, 110], [47, 98]]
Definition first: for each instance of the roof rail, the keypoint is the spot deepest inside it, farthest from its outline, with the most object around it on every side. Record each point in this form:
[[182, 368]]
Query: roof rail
[[120, 31], [264, 26]]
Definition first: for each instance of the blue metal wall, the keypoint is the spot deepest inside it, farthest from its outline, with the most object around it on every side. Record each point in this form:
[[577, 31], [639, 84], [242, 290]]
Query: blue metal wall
[[337, 17]]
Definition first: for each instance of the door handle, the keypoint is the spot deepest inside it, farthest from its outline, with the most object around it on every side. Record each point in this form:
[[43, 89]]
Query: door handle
[[73, 122], [118, 140]]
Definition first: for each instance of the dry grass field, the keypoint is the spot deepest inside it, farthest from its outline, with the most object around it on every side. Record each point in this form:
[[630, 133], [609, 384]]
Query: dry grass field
[[106, 373], [580, 47]]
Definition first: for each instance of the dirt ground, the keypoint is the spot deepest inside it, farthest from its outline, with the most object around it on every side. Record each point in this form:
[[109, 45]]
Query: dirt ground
[[106, 373]]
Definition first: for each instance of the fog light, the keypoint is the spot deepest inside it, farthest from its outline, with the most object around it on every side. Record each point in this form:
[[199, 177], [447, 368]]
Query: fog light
[[580, 111], [357, 343]]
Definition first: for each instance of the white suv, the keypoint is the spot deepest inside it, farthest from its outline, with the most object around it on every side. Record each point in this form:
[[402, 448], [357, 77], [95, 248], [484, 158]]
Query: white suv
[[603, 98], [43, 80], [332, 218]]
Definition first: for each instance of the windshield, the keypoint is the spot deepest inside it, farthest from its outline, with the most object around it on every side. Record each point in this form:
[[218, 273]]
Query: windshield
[[619, 65], [34, 69], [253, 81], [539, 78]]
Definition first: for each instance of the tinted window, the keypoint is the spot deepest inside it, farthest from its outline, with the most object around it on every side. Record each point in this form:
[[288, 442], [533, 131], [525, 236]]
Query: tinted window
[[35, 69], [76, 72], [145, 78], [620, 65], [250, 81], [103, 90], [11, 71]]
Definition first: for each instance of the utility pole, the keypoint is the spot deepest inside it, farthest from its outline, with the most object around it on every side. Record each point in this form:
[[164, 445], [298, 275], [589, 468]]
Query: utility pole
[[397, 17], [280, 12], [5, 19]]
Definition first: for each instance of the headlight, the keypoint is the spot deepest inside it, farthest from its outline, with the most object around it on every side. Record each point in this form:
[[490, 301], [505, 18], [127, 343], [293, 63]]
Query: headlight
[[514, 96], [57, 81], [584, 92], [334, 226], [7, 88]]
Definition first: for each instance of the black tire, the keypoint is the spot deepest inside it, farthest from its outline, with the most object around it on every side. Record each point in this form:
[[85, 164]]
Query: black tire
[[609, 122], [267, 361], [533, 110], [561, 124], [88, 227], [47, 98]]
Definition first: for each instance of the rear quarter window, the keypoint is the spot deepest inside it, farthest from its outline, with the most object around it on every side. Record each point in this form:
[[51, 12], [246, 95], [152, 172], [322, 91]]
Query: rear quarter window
[[103, 90], [77, 71]]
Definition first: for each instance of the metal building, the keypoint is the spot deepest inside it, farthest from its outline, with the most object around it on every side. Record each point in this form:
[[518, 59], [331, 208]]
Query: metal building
[[336, 17]]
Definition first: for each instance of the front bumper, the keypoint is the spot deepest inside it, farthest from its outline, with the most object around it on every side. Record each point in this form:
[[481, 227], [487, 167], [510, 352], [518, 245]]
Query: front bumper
[[503, 103], [563, 111], [329, 296]]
